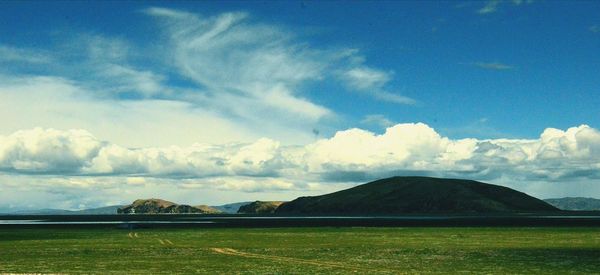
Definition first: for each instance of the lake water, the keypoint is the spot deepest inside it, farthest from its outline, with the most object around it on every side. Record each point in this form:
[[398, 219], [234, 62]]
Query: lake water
[[129, 221]]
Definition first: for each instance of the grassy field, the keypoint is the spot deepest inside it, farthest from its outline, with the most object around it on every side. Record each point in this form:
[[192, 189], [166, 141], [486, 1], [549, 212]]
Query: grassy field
[[302, 250]]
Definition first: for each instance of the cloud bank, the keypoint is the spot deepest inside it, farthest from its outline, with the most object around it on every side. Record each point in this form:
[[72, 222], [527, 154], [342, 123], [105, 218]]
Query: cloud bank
[[350, 155]]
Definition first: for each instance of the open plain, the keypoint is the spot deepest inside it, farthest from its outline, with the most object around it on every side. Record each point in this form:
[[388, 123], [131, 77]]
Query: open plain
[[332, 250]]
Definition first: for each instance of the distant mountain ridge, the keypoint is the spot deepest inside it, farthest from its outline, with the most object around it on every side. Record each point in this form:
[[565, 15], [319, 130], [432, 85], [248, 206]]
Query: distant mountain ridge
[[106, 210], [405, 195], [231, 208], [158, 206], [575, 203]]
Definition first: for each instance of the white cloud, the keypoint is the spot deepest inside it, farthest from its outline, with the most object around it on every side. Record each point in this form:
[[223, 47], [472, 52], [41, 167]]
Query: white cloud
[[491, 6], [236, 58], [251, 184], [227, 120], [74, 166], [53, 102], [229, 73], [240, 60], [556, 155], [392, 97], [39, 151], [100, 49], [366, 78], [105, 66], [493, 66], [401, 147], [123, 79], [12, 54], [372, 81], [377, 119]]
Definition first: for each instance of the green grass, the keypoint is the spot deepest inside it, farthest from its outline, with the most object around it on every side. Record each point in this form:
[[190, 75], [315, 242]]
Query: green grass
[[302, 250]]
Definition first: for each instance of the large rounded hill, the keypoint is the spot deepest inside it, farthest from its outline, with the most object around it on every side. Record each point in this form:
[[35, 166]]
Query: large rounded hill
[[406, 195]]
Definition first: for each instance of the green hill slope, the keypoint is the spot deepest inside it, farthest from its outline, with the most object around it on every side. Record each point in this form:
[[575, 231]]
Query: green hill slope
[[402, 195]]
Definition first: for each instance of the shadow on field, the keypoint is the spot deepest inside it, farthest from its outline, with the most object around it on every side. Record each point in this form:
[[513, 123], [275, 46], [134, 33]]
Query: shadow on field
[[29, 234], [563, 258]]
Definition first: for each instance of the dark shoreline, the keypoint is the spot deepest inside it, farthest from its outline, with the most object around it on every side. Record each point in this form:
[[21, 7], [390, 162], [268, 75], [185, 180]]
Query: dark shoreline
[[558, 219]]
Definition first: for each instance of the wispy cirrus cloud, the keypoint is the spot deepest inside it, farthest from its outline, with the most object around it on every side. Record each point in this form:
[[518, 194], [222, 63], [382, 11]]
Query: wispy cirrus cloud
[[243, 62], [229, 72], [364, 78], [497, 66], [57, 102], [372, 81], [269, 62], [378, 120], [491, 6], [106, 65], [13, 54]]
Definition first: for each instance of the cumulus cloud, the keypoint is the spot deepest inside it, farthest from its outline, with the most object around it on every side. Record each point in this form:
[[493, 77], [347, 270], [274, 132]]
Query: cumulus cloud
[[402, 149], [74, 169], [42, 151]]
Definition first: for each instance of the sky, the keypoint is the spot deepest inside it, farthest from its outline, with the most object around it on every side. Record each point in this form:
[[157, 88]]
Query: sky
[[102, 103]]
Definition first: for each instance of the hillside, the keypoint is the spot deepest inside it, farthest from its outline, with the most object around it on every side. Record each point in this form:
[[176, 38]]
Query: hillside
[[402, 195], [207, 209], [575, 203], [259, 207], [158, 206]]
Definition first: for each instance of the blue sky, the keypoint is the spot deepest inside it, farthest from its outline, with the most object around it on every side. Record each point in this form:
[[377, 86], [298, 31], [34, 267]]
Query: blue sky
[[119, 92], [430, 49]]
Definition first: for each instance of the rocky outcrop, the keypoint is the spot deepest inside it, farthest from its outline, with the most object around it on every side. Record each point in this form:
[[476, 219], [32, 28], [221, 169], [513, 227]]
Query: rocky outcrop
[[158, 206], [260, 207]]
